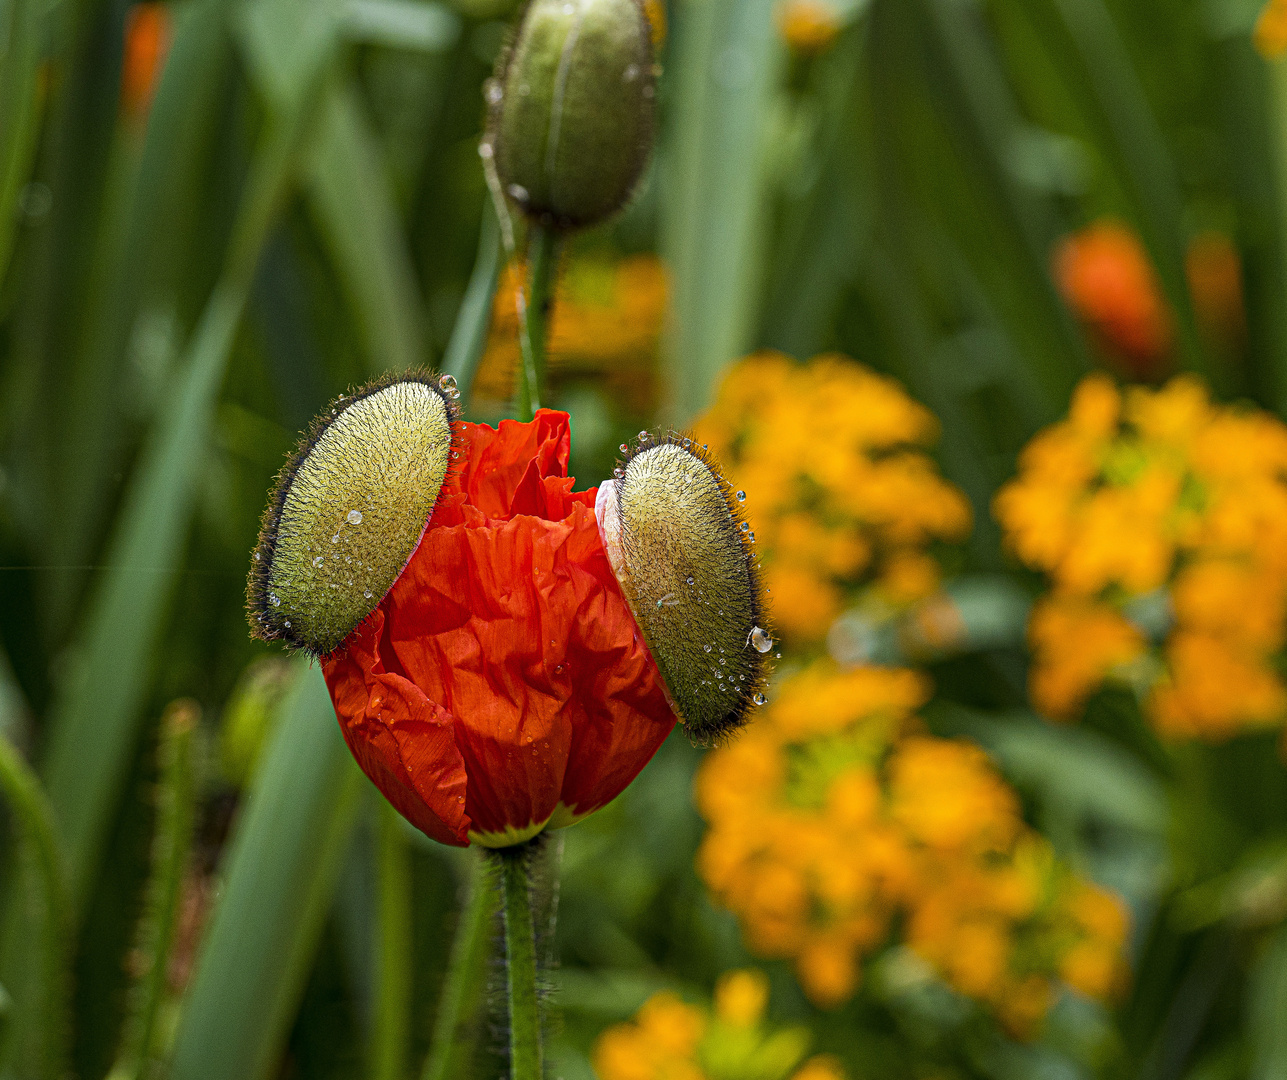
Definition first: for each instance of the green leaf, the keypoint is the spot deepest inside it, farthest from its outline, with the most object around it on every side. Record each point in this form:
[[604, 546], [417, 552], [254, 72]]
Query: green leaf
[[19, 110], [279, 874], [46, 905], [1267, 1010], [727, 61], [348, 184], [419, 25]]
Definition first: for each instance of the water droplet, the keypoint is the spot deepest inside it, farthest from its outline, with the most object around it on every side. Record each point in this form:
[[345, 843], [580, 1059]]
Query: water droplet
[[744, 526], [348, 558], [256, 556], [624, 448], [335, 539], [318, 561], [275, 600], [741, 496], [689, 579], [644, 436], [706, 648], [722, 661], [618, 472], [366, 593], [758, 699], [447, 384], [777, 656], [288, 624], [751, 537], [760, 639], [705, 447], [354, 517], [558, 669]]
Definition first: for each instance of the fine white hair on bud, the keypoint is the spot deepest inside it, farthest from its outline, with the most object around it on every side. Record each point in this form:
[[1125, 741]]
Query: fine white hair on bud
[[684, 556], [349, 509]]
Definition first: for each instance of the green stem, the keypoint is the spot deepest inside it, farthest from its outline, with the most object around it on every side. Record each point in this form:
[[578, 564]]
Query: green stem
[[34, 818], [176, 815], [525, 1056], [534, 315], [463, 989], [393, 996]]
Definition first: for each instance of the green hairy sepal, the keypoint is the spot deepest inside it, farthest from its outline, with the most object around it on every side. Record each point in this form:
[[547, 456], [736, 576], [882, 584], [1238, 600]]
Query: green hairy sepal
[[349, 509], [685, 558], [571, 109]]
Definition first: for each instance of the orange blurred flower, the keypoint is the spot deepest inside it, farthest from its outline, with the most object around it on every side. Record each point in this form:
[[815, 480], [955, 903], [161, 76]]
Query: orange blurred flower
[[846, 497], [808, 26], [833, 821], [1161, 498], [1105, 275], [669, 1039], [1270, 35], [147, 41], [606, 320]]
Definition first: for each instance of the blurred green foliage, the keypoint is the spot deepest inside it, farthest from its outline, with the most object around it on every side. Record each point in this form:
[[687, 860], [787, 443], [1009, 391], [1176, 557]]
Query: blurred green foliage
[[185, 280]]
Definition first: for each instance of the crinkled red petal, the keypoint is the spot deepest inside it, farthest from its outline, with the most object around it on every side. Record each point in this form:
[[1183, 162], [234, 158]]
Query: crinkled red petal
[[505, 659]]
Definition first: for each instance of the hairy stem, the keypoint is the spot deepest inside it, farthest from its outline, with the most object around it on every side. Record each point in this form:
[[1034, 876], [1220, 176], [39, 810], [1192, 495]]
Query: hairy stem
[[176, 815], [534, 306], [525, 1056], [463, 990]]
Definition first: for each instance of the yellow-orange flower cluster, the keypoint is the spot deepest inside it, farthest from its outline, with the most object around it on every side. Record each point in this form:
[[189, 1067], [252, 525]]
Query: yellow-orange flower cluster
[[670, 1039], [1270, 35], [606, 320], [1163, 496], [834, 819], [832, 458], [808, 26]]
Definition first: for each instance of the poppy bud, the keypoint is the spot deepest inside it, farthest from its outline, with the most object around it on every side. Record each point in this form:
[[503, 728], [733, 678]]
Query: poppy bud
[[682, 551], [349, 509], [571, 119]]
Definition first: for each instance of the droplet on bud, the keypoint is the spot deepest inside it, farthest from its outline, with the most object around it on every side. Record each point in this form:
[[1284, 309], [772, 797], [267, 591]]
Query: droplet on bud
[[385, 448], [447, 384], [670, 523]]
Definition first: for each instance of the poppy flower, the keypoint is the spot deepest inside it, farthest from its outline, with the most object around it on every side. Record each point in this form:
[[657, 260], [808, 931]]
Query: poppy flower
[[502, 686]]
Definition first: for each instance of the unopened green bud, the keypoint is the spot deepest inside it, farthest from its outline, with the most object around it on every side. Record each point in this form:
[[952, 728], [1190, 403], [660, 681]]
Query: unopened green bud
[[571, 109], [684, 556], [349, 509]]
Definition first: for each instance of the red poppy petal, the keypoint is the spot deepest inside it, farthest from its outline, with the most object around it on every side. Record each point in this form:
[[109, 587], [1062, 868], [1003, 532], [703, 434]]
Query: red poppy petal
[[399, 738], [519, 629], [496, 461]]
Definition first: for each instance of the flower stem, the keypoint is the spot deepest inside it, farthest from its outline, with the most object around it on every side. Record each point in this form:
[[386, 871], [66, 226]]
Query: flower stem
[[534, 306], [463, 989], [525, 1055]]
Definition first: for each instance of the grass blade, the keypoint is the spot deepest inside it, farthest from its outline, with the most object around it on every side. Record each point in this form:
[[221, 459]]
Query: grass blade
[[19, 111], [353, 203], [393, 988], [729, 58], [47, 1028], [474, 317], [279, 874]]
